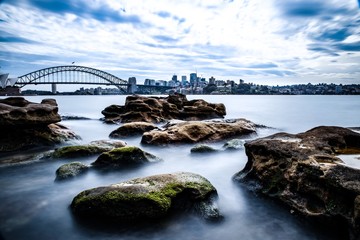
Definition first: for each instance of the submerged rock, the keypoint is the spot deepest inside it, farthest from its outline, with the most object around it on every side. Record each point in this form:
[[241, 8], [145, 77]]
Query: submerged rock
[[159, 109], [93, 148], [198, 131], [132, 129], [302, 171], [234, 144], [202, 148], [124, 157], [143, 199], [25, 125], [70, 170]]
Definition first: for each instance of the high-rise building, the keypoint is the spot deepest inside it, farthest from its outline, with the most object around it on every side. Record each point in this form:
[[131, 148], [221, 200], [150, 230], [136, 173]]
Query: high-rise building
[[212, 80], [183, 80], [174, 78], [193, 79]]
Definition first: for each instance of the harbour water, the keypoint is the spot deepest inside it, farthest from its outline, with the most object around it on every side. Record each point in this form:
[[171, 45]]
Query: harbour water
[[34, 206]]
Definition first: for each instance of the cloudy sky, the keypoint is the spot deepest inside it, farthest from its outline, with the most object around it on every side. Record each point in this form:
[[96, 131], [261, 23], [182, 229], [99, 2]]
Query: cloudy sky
[[261, 41]]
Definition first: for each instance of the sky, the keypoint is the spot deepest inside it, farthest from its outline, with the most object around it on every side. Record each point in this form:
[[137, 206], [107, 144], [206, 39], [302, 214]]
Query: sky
[[272, 42]]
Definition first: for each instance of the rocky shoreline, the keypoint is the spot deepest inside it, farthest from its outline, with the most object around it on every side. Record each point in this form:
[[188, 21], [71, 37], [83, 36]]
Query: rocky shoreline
[[302, 171]]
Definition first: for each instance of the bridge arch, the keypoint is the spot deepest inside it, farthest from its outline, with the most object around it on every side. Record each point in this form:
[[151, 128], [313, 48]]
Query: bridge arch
[[71, 74]]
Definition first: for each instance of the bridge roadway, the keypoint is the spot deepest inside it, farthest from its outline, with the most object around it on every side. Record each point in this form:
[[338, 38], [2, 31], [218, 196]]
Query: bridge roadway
[[73, 74]]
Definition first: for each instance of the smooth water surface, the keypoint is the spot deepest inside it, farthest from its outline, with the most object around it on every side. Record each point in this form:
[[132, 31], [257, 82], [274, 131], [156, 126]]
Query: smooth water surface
[[33, 206]]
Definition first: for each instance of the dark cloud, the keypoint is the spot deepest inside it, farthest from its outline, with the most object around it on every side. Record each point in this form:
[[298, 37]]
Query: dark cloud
[[6, 37], [310, 8], [352, 47], [320, 48], [335, 34], [302, 8], [82, 9]]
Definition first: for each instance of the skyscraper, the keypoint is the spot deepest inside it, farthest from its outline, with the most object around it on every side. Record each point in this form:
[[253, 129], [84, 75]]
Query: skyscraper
[[193, 79]]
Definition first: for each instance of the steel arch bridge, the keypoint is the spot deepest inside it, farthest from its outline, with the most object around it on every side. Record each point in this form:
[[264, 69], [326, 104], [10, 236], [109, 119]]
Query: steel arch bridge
[[72, 74]]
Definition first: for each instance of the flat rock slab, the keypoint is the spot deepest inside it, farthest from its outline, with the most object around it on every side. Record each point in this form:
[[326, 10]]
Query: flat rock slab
[[199, 131], [160, 109], [153, 197], [303, 171]]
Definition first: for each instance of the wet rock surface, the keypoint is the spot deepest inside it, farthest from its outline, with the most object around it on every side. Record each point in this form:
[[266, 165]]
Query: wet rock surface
[[93, 148], [128, 156], [25, 124], [198, 131], [132, 129], [159, 109], [70, 170], [202, 148], [153, 197], [304, 172]]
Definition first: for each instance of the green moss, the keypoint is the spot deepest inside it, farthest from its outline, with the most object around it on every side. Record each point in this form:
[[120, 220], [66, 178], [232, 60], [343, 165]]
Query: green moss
[[78, 151]]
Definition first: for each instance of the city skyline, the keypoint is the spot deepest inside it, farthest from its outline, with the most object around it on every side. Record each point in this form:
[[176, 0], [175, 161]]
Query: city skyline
[[265, 42]]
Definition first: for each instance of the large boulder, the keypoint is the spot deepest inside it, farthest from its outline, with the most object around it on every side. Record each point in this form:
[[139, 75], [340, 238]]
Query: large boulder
[[17, 111], [143, 199], [15, 139], [93, 148], [198, 131], [304, 172], [124, 157], [132, 129], [159, 109], [25, 124]]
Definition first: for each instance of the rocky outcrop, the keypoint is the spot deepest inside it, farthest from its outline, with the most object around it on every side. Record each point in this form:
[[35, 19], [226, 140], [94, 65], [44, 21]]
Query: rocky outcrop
[[70, 170], [159, 109], [124, 157], [198, 131], [17, 111], [93, 148], [24, 124], [304, 172], [132, 129], [144, 199]]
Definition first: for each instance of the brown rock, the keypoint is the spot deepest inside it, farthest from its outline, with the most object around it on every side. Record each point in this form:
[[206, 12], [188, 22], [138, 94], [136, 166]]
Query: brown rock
[[24, 124], [16, 111], [302, 171], [198, 131], [132, 129], [160, 109], [14, 139]]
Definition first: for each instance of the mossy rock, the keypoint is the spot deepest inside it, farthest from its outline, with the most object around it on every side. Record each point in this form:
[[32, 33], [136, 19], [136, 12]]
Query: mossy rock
[[148, 198], [234, 144], [93, 148], [70, 170], [124, 157], [203, 148]]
